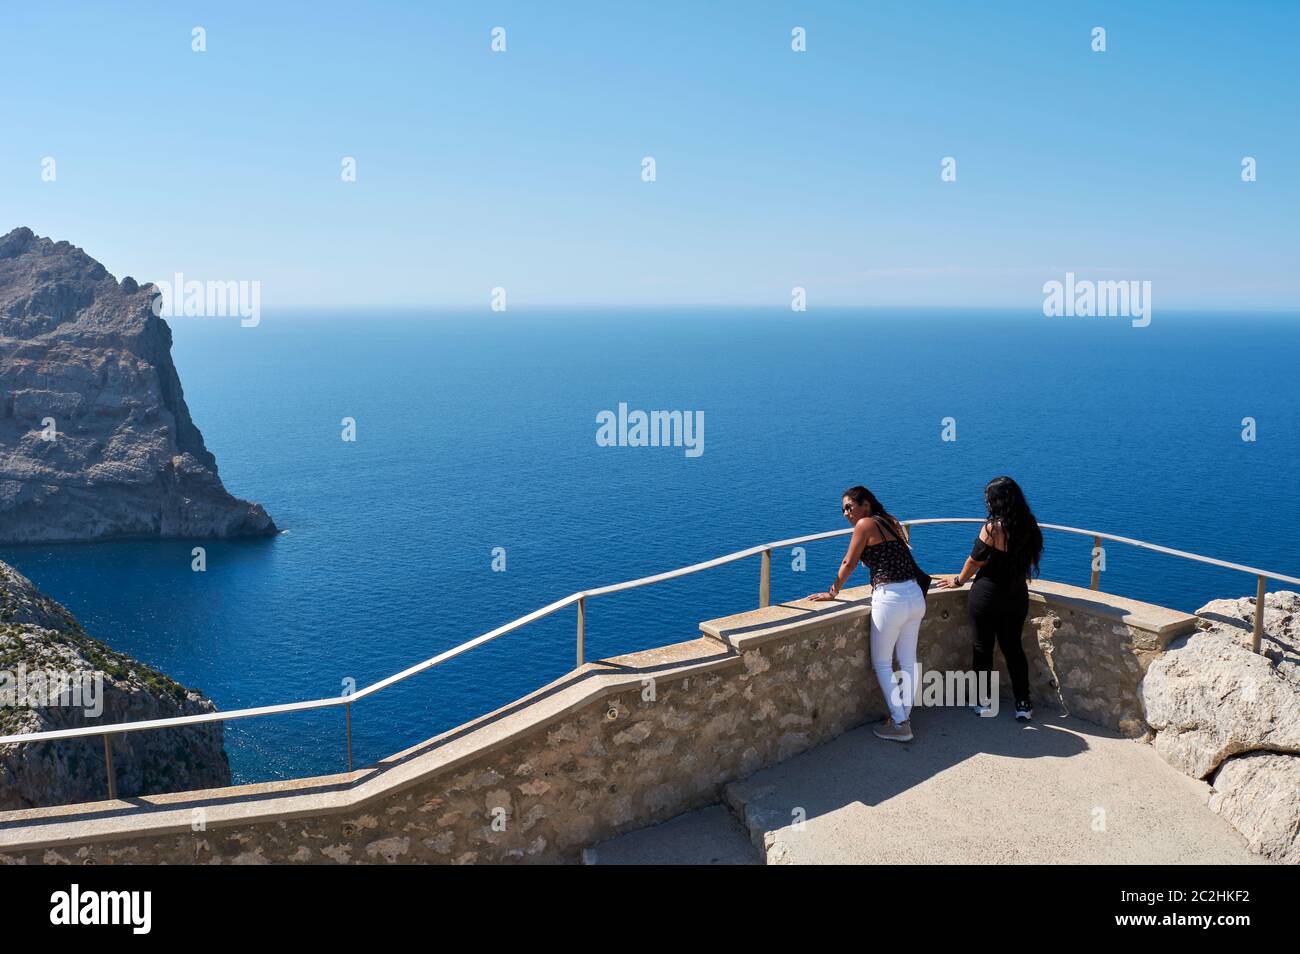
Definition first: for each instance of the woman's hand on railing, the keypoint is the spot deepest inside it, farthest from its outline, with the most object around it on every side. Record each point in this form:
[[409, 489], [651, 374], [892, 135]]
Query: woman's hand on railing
[[946, 583]]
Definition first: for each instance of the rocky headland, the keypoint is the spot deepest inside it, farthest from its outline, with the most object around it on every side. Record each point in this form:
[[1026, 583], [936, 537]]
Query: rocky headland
[[96, 441], [43, 648]]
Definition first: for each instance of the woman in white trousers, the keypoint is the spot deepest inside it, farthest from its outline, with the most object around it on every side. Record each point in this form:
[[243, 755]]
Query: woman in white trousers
[[897, 603]]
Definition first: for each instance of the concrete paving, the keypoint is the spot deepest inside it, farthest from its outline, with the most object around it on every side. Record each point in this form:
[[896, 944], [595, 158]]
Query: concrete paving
[[968, 790], [710, 836]]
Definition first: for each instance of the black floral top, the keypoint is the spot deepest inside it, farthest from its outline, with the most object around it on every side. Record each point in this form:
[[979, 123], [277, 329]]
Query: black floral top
[[889, 561]]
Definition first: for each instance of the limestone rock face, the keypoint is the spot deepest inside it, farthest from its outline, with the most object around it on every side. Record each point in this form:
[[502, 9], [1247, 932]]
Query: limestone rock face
[[1208, 697], [85, 360], [39, 639], [1281, 639], [1231, 716], [1259, 794]]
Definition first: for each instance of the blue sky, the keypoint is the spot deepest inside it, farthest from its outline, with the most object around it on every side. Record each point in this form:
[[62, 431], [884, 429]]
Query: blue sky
[[774, 168]]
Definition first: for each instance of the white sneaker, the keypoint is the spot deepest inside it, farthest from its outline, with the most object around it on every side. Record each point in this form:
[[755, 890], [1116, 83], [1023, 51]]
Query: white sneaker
[[894, 731], [982, 710]]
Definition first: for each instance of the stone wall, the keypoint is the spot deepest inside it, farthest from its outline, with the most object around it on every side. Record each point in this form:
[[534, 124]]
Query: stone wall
[[614, 746], [1088, 652], [1094, 651]]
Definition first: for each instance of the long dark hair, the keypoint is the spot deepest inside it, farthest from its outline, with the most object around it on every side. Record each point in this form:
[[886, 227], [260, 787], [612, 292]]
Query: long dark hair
[[1008, 508], [861, 495]]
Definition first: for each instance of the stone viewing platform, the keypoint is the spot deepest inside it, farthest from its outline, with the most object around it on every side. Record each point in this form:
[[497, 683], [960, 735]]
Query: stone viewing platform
[[757, 722], [975, 791]]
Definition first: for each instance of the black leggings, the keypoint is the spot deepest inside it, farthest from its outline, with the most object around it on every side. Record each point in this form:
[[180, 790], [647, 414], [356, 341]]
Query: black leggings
[[998, 614]]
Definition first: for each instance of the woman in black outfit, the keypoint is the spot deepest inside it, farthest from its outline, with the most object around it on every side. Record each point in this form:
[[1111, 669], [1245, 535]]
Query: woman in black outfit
[[1002, 560]]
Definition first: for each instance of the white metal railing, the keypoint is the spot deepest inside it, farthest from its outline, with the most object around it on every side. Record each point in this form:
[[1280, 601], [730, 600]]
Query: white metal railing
[[580, 598]]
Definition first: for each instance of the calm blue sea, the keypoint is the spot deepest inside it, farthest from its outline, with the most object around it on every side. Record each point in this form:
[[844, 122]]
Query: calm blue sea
[[477, 431]]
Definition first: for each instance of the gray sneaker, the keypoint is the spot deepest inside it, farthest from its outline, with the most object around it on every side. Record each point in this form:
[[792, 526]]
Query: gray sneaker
[[894, 731]]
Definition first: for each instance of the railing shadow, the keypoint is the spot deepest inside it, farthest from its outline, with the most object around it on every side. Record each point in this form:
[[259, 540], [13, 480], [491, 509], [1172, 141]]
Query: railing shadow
[[1288, 652]]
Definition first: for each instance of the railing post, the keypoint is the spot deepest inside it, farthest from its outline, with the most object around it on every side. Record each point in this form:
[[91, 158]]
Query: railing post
[[765, 581], [907, 533], [582, 626], [347, 715], [1256, 638], [1096, 567], [108, 766]]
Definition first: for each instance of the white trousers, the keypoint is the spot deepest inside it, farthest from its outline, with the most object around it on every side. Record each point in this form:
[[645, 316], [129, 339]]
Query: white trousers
[[896, 613]]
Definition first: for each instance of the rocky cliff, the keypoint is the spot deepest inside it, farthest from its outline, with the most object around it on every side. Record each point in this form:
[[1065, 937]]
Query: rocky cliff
[[95, 438], [1222, 713], [54, 676]]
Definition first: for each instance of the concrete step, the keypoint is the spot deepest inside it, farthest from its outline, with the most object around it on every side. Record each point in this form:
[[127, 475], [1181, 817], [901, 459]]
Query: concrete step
[[709, 836]]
